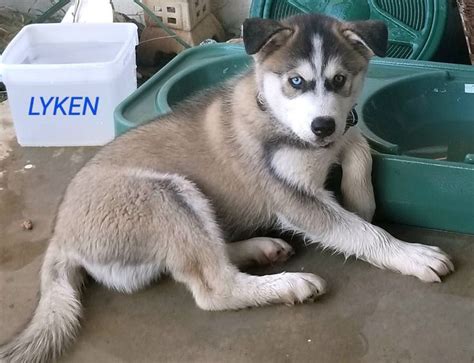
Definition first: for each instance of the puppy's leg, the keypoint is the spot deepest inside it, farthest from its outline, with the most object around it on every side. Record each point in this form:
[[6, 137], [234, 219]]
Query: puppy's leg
[[155, 223], [321, 219], [356, 185], [196, 255], [259, 250]]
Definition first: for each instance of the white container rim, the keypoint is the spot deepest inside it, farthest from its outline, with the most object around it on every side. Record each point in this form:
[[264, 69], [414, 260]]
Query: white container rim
[[133, 38]]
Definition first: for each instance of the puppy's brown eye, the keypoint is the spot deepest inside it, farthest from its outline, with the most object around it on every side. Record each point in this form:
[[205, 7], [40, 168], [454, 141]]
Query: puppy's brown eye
[[339, 80]]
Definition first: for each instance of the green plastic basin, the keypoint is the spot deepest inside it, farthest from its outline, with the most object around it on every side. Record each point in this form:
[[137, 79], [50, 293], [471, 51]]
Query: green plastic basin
[[152, 98], [418, 117], [428, 115]]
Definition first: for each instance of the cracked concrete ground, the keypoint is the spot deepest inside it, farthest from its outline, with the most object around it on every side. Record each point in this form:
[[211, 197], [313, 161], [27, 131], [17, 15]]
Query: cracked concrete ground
[[368, 315]]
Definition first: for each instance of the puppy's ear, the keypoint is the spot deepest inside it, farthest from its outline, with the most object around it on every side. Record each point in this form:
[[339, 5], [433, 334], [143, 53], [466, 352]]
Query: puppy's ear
[[369, 36], [264, 35]]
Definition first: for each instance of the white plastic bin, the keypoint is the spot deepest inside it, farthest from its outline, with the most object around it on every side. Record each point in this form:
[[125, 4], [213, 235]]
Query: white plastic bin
[[65, 80]]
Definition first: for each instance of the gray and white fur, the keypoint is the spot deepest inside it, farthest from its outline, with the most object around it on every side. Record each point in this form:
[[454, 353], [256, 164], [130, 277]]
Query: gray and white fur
[[167, 196]]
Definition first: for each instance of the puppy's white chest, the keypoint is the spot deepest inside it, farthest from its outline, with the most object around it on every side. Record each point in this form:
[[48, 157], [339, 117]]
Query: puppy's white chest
[[305, 169]]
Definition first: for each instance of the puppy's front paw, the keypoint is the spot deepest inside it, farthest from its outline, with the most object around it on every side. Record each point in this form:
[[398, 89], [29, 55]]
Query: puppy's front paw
[[428, 263], [300, 287]]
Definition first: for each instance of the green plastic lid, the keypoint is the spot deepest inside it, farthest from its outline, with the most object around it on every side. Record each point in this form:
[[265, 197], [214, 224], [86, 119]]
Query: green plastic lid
[[415, 26]]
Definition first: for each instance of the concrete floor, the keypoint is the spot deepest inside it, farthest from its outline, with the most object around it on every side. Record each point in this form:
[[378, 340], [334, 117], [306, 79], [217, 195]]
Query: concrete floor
[[368, 315]]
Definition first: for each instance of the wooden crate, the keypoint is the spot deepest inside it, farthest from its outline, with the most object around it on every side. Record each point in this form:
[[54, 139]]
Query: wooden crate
[[178, 14], [155, 39]]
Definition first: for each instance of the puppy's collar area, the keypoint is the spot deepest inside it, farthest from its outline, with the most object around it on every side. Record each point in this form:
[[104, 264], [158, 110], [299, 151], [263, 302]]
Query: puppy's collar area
[[351, 120]]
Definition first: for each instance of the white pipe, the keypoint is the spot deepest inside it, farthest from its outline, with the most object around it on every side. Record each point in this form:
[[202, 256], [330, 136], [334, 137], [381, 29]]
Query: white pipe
[[89, 11]]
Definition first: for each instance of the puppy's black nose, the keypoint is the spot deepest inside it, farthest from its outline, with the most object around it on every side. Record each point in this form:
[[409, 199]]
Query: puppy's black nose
[[323, 126]]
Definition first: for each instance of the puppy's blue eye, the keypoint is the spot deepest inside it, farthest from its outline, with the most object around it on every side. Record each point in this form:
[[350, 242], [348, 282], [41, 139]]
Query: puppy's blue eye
[[296, 82]]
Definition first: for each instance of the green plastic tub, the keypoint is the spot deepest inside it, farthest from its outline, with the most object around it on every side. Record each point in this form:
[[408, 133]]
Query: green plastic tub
[[166, 88], [416, 27], [417, 115]]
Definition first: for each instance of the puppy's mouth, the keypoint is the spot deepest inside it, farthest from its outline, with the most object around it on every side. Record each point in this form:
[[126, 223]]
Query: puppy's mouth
[[319, 143], [323, 143], [327, 145]]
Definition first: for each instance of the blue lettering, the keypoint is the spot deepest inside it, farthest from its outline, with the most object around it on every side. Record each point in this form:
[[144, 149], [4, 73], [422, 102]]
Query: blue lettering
[[30, 112], [45, 105], [88, 103], [73, 105], [78, 105], [59, 105]]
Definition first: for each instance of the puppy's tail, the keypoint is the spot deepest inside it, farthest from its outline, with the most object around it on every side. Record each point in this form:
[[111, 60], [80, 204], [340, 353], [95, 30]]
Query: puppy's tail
[[55, 322]]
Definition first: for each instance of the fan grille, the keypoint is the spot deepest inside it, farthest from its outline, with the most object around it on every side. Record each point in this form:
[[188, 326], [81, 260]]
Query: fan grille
[[397, 50], [409, 12], [281, 9]]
